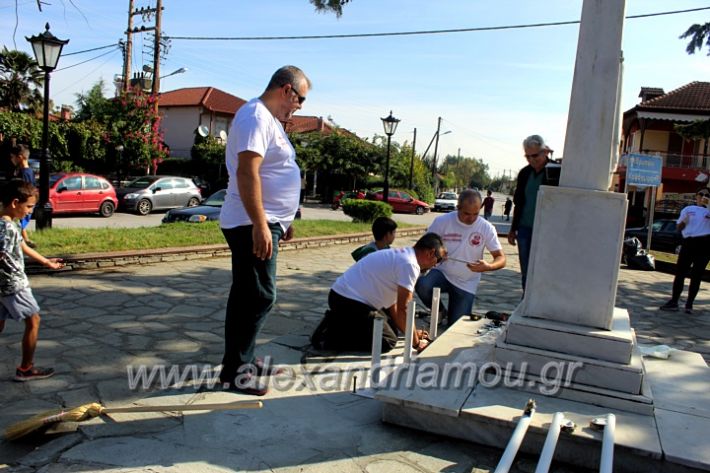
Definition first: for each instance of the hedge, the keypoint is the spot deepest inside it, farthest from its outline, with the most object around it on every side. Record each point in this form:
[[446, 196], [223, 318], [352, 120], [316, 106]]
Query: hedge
[[366, 210]]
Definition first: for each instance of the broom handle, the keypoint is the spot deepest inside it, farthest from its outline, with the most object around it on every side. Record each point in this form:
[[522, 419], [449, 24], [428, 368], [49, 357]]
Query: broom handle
[[187, 407]]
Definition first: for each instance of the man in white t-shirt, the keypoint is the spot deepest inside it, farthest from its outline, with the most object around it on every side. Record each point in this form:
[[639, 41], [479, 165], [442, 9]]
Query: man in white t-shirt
[[384, 280], [694, 223], [259, 207], [465, 236]]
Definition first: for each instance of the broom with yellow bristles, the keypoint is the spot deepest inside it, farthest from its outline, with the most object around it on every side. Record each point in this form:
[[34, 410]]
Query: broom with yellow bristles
[[89, 411]]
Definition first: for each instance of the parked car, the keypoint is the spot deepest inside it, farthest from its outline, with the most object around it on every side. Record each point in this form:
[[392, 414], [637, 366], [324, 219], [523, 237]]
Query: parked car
[[664, 237], [401, 202], [148, 193], [446, 202], [207, 211], [81, 193], [346, 195]]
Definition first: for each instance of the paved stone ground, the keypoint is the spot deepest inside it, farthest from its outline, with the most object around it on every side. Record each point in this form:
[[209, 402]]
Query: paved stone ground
[[98, 322]]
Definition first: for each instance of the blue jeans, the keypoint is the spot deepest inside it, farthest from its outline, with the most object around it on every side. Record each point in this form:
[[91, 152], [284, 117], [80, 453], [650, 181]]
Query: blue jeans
[[524, 241], [251, 297], [460, 301]]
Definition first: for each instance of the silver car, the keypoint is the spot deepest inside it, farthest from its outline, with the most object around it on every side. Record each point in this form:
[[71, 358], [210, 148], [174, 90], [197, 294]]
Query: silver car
[[148, 193]]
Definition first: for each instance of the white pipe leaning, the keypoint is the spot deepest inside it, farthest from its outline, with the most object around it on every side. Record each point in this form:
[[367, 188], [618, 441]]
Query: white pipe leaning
[[434, 319], [516, 439], [607, 462], [548, 450], [376, 362], [409, 332]]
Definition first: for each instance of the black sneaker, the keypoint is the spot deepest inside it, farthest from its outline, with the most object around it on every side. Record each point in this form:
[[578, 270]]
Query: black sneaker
[[670, 306], [32, 373], [689, 310]]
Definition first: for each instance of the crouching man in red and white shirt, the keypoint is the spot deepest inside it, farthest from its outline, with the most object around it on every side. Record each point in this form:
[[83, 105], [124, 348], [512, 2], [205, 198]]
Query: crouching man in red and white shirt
[[465, 235]]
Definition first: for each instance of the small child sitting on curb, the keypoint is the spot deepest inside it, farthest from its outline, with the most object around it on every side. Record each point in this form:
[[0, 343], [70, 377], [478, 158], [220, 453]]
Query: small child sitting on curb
[[16, 300], [384, 230]]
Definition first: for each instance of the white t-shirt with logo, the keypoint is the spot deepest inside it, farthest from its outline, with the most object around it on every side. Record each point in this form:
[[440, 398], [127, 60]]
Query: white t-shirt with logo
[[255, 129], [697, 221], [374, 279], [466, 243]]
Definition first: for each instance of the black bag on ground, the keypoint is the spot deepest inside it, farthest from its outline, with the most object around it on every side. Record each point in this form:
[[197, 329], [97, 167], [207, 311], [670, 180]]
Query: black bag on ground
[[636, 257]]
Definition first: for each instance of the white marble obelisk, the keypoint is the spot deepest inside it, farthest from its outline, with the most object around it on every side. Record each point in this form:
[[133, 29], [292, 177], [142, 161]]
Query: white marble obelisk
[[578, 228], [568, 313]]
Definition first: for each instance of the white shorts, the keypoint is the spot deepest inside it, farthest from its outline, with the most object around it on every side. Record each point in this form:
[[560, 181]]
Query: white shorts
[[18, 306]]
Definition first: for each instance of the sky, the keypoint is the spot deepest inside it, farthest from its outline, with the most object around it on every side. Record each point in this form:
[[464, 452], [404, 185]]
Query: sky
[[491, 88]]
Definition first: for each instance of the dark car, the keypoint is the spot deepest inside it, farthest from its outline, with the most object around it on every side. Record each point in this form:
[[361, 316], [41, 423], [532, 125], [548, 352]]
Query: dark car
[[665, 236], [209, 210], [149, 193]]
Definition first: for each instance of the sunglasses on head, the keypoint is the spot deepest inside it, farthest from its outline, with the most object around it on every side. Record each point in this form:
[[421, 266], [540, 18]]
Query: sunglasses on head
[[704, 194]]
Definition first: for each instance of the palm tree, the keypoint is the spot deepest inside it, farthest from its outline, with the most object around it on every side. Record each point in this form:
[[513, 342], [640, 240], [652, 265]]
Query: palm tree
[[20, 81]]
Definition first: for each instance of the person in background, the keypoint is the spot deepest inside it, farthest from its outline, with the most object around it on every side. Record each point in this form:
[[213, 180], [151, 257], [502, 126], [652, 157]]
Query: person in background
[[384, 230], [20, 156], [530, 178], [694, 224], [488, 205], [507, 207]]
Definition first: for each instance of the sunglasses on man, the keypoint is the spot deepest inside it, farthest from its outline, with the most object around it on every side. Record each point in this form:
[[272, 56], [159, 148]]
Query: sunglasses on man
[[300, 97]]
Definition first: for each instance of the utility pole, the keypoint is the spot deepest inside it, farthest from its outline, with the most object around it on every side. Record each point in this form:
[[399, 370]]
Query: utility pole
[[128, 50], [411, 164], [156, 51], [436, 147]]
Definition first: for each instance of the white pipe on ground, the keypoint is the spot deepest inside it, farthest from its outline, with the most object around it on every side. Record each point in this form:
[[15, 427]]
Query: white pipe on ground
[[375, 363], [516, 439], [607, 462], [434, 320], [409, 332], [548, 450]]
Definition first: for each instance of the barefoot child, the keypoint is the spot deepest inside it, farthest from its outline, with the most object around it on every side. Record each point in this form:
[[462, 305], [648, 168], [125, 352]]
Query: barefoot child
[[16, 300]]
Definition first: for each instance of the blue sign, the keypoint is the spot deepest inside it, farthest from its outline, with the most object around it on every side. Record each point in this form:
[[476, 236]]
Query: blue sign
[[643, 170]]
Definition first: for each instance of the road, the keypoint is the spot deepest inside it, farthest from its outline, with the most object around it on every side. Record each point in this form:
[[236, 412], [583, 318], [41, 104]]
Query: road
[[311, 211]]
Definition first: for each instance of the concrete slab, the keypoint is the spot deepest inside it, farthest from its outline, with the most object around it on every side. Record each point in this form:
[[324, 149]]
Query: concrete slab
[[579, 370], [684, 438], [613, 345], [685, 369]]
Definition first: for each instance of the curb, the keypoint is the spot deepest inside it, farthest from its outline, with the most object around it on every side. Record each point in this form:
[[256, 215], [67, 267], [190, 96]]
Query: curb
[[88, 261]]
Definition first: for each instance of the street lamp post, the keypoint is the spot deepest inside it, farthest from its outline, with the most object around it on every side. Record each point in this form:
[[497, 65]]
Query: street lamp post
[[390, 125], [47, 49]]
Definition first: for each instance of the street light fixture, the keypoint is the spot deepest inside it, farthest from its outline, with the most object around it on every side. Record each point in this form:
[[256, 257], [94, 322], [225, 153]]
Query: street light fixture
[[47, 49], [390, 125]]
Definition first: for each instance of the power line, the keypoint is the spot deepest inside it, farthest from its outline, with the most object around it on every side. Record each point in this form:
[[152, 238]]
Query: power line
[[89, 50], [84, 62], [413, 33]]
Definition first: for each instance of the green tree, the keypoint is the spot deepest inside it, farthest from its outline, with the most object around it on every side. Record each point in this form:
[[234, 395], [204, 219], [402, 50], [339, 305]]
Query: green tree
[[698, 35], [93, 104], [461, 172], [335, 6], [20, 81]]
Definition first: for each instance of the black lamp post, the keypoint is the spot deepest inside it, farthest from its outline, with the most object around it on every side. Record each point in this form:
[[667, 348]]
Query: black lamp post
[[390, 125], [47, 49]]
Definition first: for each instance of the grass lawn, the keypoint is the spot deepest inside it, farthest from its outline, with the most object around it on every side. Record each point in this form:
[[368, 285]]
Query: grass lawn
[[64, 241], [669, 258]]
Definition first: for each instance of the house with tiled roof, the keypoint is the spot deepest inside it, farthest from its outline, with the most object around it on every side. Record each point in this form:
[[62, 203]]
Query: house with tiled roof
[[649, 128], [183, 111]]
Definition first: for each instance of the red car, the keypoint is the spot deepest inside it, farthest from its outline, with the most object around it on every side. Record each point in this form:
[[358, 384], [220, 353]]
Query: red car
[[346, 195], [81, 193], [402, 202]]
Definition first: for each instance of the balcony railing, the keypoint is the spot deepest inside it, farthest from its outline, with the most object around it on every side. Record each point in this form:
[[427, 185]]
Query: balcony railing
[[694, 161]]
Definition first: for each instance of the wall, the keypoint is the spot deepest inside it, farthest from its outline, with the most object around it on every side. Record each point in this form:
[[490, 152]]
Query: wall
[[178, 126]]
